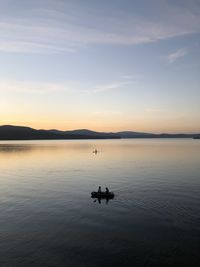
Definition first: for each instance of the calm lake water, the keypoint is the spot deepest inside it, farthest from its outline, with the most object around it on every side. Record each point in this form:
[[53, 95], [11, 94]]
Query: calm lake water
[[47, 217]]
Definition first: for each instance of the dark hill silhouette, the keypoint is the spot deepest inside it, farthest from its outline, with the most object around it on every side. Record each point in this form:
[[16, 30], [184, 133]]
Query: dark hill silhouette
[[10, 132], [84, 132], [129, 134]]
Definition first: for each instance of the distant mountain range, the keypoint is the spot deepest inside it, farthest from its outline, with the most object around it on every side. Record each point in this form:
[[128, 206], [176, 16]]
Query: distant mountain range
[[10, 132]]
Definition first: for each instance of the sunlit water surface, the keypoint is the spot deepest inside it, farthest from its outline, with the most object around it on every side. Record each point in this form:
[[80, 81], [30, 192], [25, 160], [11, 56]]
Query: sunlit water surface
[[47, 217]]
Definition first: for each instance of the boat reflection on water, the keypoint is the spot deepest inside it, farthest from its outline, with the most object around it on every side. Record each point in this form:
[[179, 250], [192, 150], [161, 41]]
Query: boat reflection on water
[[105, 199]]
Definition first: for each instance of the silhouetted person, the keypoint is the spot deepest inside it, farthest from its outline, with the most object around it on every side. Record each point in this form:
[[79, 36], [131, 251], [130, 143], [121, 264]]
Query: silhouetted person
[[99, 190], [107, 190]]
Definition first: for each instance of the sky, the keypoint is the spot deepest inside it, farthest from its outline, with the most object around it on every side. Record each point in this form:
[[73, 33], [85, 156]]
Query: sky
[[108, 65]]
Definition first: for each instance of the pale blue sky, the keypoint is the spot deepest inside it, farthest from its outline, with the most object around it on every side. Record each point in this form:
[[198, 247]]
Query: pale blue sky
[[104, 65]]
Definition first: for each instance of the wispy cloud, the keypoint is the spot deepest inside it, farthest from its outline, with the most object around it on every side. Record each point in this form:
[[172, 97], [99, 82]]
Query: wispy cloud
[[120, 84], [172, 57], [64, 26], [108, 112], [34, 87], [109, 87], [30, 87], [32, 47], [129, 77]]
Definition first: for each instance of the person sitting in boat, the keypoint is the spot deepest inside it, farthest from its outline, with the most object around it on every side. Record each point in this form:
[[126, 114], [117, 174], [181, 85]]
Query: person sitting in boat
[[99, 190], [107, 190]]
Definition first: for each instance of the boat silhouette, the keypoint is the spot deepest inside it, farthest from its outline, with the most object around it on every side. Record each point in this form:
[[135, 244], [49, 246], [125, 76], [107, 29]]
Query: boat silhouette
[[102, 194]]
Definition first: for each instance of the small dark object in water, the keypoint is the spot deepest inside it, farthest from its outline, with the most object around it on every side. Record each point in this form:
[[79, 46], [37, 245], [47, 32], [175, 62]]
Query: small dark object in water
[[102, 195]]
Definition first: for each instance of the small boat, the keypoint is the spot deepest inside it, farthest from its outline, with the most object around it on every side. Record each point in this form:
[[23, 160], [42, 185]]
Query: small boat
[[102, 195]]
